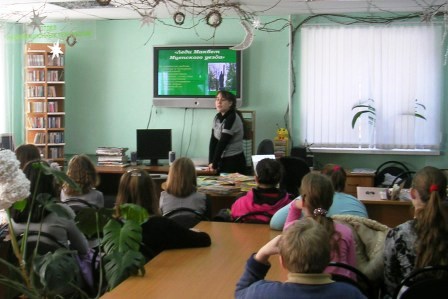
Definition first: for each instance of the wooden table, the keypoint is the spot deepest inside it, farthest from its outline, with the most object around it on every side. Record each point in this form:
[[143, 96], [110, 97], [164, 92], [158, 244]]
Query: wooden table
[[210, 272], [110, 176], [389, 212]]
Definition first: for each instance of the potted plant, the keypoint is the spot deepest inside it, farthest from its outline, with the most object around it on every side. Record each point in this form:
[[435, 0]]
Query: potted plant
[[119, 240], [367, 108]]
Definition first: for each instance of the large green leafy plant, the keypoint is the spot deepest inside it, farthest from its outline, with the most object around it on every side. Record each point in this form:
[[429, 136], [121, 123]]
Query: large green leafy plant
[[45, 276]]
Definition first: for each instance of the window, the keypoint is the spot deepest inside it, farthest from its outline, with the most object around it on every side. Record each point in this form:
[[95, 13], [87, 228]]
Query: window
[[394, 71], [3, 106]]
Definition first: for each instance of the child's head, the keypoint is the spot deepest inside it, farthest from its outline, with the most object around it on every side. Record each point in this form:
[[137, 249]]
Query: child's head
[[137, 187], [430, 181], [304, 247], [82, 171], [269, 172], [41, 183], [317, 193], [181, 180], [26, 153], [337, 175], [429, 194]]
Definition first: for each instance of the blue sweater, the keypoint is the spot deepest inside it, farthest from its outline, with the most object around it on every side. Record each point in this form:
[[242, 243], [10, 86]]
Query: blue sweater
[[343, 204], [252, 285]]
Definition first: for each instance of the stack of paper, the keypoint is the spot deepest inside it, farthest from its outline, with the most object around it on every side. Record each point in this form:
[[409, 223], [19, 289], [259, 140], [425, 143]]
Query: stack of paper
[[112, 156]]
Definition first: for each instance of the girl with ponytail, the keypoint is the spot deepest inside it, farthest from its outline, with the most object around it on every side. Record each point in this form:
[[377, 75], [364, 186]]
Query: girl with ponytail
[[422, 241], [317, 192]]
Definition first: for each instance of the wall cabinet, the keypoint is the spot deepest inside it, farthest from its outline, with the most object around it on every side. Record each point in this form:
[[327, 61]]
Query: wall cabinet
[[44, 100]]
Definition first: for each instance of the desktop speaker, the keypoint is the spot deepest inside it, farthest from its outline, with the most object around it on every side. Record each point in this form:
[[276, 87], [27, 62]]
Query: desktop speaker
[[171, 157], [134, 158]]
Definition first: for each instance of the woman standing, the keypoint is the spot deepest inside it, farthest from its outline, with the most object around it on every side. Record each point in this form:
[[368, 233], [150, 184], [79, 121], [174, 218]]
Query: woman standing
[[226, 143]]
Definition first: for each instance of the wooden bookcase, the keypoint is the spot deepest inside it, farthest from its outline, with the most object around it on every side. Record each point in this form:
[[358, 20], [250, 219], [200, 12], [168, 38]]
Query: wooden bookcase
[[44, 100]]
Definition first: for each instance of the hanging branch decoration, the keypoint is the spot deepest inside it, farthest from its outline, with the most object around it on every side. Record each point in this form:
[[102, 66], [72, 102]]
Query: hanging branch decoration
[[256, 23], [147, 19], [213, 18], [103, 2], [248, 39], [36, 21], [179, 18], [71, 40], [55, 50]]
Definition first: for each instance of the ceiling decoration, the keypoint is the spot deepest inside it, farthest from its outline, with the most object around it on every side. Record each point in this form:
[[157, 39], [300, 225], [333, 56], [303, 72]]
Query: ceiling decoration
[[188, 14]]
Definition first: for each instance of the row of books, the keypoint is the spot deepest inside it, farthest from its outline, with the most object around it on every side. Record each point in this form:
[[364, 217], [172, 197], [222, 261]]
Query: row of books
[[112, 156], [53, 137], [38, 60], [36, 76], [40, 122], [39, 91], [55, 75]]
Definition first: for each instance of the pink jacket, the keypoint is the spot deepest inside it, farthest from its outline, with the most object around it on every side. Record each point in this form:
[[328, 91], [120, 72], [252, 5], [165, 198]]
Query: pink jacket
[[260, 200]]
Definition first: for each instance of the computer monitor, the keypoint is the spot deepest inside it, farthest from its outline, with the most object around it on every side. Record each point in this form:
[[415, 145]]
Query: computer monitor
[[153, 144], [7, 141]]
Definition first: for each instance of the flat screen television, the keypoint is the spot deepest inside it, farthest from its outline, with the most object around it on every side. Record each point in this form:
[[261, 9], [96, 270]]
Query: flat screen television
[[153, 145], [191, 76]]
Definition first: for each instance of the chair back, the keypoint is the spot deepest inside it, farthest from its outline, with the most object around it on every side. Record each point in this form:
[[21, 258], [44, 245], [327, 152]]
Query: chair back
[[404, 179], [77, 204], [43, 241], [265, 147], [427, 282], [393, 168], [362, 282], [295, 169], [249, 218], [186, 217]]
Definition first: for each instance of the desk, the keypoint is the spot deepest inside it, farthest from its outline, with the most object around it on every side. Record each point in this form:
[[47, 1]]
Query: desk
[[389, 212], [358, 180], [210, 272], [110, 176], [110, 179]]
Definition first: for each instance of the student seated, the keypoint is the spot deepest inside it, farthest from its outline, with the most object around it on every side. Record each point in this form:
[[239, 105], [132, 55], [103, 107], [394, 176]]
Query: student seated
[[303, 251], [266, 197], [26, 153], [343, 203], [82, 171], [422, 241], [63, 229], [180, 190], [158, 233], [317, 197]]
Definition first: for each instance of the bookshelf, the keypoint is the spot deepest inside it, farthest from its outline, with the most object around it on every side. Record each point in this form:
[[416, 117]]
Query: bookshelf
[[44, 100]]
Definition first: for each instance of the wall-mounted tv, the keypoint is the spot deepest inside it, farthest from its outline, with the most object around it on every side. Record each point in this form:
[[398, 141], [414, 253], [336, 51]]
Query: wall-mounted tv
[[190, 76]]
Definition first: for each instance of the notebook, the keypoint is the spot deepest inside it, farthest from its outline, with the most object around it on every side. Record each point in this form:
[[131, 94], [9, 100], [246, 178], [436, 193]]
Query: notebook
[[257, 158]]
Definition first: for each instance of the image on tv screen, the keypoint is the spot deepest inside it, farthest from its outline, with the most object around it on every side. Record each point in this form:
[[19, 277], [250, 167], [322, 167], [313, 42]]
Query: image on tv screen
[[196, 72]]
